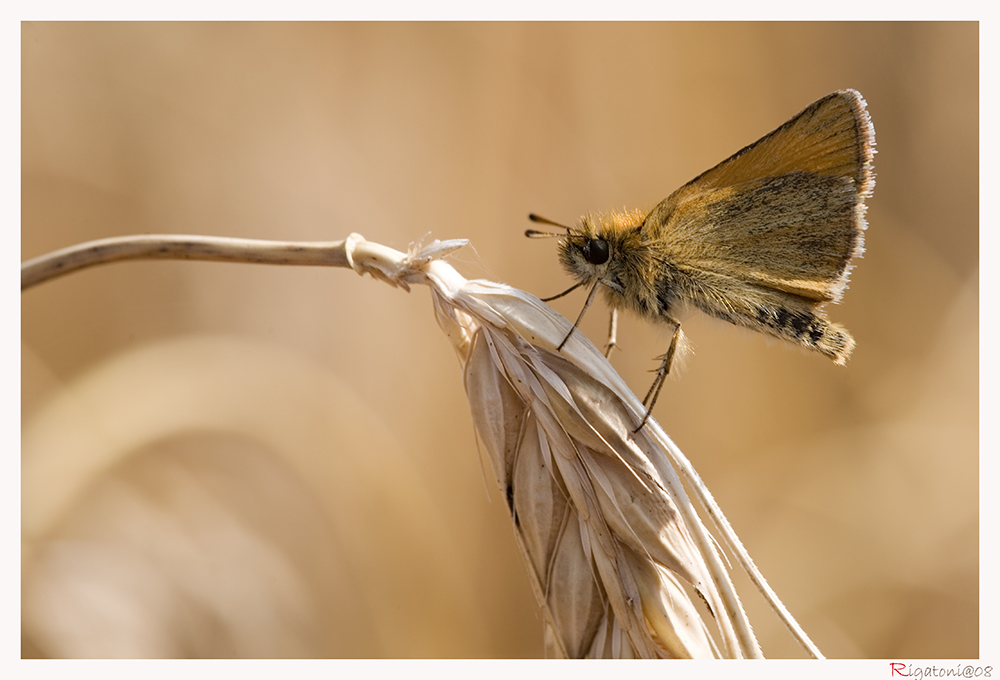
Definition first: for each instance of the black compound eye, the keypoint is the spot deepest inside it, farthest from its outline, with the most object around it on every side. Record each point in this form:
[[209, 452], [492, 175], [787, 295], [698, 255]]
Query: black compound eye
[[596, 251]]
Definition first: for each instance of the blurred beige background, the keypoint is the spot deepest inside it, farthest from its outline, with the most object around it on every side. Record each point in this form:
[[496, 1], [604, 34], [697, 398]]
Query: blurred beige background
[[237, 460]]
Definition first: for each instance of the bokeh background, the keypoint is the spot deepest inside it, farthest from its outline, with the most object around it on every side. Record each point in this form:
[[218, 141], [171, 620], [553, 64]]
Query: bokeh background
[[233, 460]]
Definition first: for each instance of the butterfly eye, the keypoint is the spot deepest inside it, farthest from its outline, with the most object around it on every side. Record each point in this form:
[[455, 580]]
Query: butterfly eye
[[596, 251]]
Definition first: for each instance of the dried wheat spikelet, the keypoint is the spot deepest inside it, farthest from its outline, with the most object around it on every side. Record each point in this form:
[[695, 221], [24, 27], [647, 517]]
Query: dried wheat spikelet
[[606, 548], [614, 548]]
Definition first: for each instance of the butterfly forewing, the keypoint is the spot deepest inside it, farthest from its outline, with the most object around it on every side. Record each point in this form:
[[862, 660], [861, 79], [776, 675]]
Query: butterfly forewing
[[785, 213]]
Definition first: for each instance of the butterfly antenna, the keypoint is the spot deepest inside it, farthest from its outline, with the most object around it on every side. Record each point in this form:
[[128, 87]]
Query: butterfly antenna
[[534, 233]]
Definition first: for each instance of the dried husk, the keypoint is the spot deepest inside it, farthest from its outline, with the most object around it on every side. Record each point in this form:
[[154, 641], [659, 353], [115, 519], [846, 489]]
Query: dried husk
[[608, 552]]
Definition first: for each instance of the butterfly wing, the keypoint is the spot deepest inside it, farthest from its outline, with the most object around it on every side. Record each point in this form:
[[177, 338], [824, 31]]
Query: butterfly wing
[[785, 213]]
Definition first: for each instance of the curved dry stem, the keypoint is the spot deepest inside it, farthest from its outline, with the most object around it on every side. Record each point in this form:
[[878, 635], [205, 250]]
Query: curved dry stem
[[182, 247]]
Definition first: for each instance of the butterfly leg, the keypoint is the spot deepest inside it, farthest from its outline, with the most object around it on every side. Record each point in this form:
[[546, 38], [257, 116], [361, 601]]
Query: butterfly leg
[[612, 334], [661, 373], [590, 299]]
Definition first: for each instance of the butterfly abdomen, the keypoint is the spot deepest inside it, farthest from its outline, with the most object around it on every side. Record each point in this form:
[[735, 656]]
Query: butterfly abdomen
[[806, 329]]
